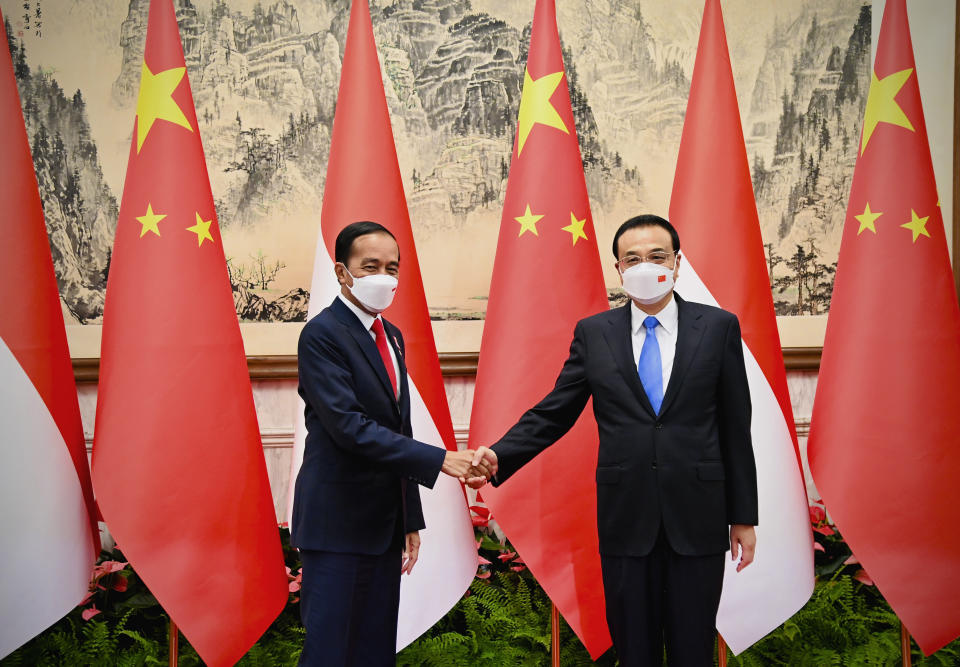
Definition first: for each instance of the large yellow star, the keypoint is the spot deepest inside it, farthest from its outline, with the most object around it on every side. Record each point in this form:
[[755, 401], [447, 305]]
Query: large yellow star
[[917, 225], [576, 228], [149, 221], [156, 101], [202, 230], [528, 222], [535, 105], [868, 219], [882, 106]]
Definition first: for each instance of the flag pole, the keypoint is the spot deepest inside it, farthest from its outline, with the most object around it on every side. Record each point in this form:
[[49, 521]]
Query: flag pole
[[554, 636], [721, 651], [905, 645], [174, 644]]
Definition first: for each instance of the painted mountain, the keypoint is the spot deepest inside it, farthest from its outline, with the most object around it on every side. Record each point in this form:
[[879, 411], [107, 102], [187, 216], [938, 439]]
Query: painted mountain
[[265, 78]]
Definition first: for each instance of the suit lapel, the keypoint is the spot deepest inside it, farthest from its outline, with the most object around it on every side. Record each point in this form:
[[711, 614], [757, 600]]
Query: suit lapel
[[690, 329], [619, 338], [366, 343]]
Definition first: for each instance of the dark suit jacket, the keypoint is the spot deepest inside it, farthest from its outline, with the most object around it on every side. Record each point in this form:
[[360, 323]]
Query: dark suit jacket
[[352, 489], [691, 467]]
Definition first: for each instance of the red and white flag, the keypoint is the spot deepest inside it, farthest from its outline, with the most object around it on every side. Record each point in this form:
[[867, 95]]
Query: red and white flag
[[713, 209], [364, 183], [885, 435], [47, 516], [178, 464]]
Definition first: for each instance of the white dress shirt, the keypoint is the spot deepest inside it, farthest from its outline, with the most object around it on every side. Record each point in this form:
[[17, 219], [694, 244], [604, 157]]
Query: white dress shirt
[[666, 333], [366, 319]]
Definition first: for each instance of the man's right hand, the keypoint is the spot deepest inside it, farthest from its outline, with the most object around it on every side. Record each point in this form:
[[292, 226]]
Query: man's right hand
[[485, 466], [468, 464]]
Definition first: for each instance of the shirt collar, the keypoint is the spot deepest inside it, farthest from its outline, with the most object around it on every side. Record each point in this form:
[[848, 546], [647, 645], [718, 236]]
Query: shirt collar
[[366, 319], [667, 317]]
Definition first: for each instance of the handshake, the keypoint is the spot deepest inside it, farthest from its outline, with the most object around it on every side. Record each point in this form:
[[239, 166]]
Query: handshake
[[472, 468]]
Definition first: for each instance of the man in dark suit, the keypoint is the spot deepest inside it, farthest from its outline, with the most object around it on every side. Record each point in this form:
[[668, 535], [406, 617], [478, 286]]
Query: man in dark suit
[[675, 467], [356, 506]]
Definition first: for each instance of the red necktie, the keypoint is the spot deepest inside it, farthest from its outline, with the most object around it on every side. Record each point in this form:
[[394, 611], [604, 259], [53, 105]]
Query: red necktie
[[384, 350]]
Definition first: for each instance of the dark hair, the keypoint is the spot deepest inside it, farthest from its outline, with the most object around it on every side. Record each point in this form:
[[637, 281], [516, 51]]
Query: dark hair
[[353, 231], [646, 221]]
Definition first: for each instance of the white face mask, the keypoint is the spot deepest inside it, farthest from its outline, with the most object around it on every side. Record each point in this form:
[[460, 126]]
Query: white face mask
[[648, 282], [374, 292]]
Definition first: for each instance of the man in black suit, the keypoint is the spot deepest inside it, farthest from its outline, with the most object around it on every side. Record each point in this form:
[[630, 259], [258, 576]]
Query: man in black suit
[[356, 506], [675, 467]]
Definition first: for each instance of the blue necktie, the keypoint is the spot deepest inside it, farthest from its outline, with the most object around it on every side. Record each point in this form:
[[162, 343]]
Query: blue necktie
[[650, 368]]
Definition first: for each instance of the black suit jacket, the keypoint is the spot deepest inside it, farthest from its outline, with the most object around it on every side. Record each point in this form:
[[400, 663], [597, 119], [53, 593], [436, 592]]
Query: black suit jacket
[[690, 468], [361, 466]]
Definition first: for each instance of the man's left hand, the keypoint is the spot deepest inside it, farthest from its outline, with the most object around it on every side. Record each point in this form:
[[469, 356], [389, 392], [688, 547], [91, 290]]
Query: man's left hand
[[743, 543], [411, 551]]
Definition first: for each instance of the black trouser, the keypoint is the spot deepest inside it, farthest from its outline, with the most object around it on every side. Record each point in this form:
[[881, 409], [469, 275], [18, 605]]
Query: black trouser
[[660, 599], [349, 605]]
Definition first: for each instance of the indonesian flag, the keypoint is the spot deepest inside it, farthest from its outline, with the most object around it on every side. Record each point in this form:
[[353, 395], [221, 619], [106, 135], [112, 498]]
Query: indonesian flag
[[885, 438], [546, 277], [364, 183], [713, 209], [47, 515], [178, 465]]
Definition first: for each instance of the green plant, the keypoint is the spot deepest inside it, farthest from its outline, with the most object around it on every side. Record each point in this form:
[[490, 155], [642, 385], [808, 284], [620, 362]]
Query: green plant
[[503, 619], [95, 643]]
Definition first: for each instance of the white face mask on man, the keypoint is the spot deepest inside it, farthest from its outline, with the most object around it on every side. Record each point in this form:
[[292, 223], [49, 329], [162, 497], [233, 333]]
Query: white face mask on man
[[374, 292], [648, 282]]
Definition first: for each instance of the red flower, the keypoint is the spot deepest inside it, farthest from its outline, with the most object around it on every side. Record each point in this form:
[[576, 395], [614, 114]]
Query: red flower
[[480, 516], [817, 514], [87, 614], [119, 583], [863, 577]]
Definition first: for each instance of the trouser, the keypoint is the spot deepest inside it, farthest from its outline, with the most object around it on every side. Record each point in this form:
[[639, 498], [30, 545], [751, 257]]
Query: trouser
[[349, 605], [663, 599]]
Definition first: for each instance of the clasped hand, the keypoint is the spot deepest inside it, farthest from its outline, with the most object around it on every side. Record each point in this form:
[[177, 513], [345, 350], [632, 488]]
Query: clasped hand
[[472, 468]]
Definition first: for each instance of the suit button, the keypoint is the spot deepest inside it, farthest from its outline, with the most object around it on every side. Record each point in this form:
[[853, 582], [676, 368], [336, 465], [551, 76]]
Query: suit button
[[653, 466], [659, 426]]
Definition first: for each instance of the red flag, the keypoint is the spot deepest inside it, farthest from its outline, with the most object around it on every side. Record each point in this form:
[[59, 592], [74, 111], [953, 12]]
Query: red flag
[[884, 446], [48, 518], [714, 211], [546, 277], [178, 465], [364, 183]]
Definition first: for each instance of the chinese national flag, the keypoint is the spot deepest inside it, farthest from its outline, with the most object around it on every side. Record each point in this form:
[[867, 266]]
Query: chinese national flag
[[885, 436], [724, 265], [546, 277], [178, 467], [364, 183]]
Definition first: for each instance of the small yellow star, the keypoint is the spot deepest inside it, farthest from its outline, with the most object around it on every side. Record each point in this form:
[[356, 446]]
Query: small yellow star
[[201, 229], [867, 219], [149, 221], [882, 106], [535, 106], [156, 101], [528, 222], [576, 228], [917, 225]]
